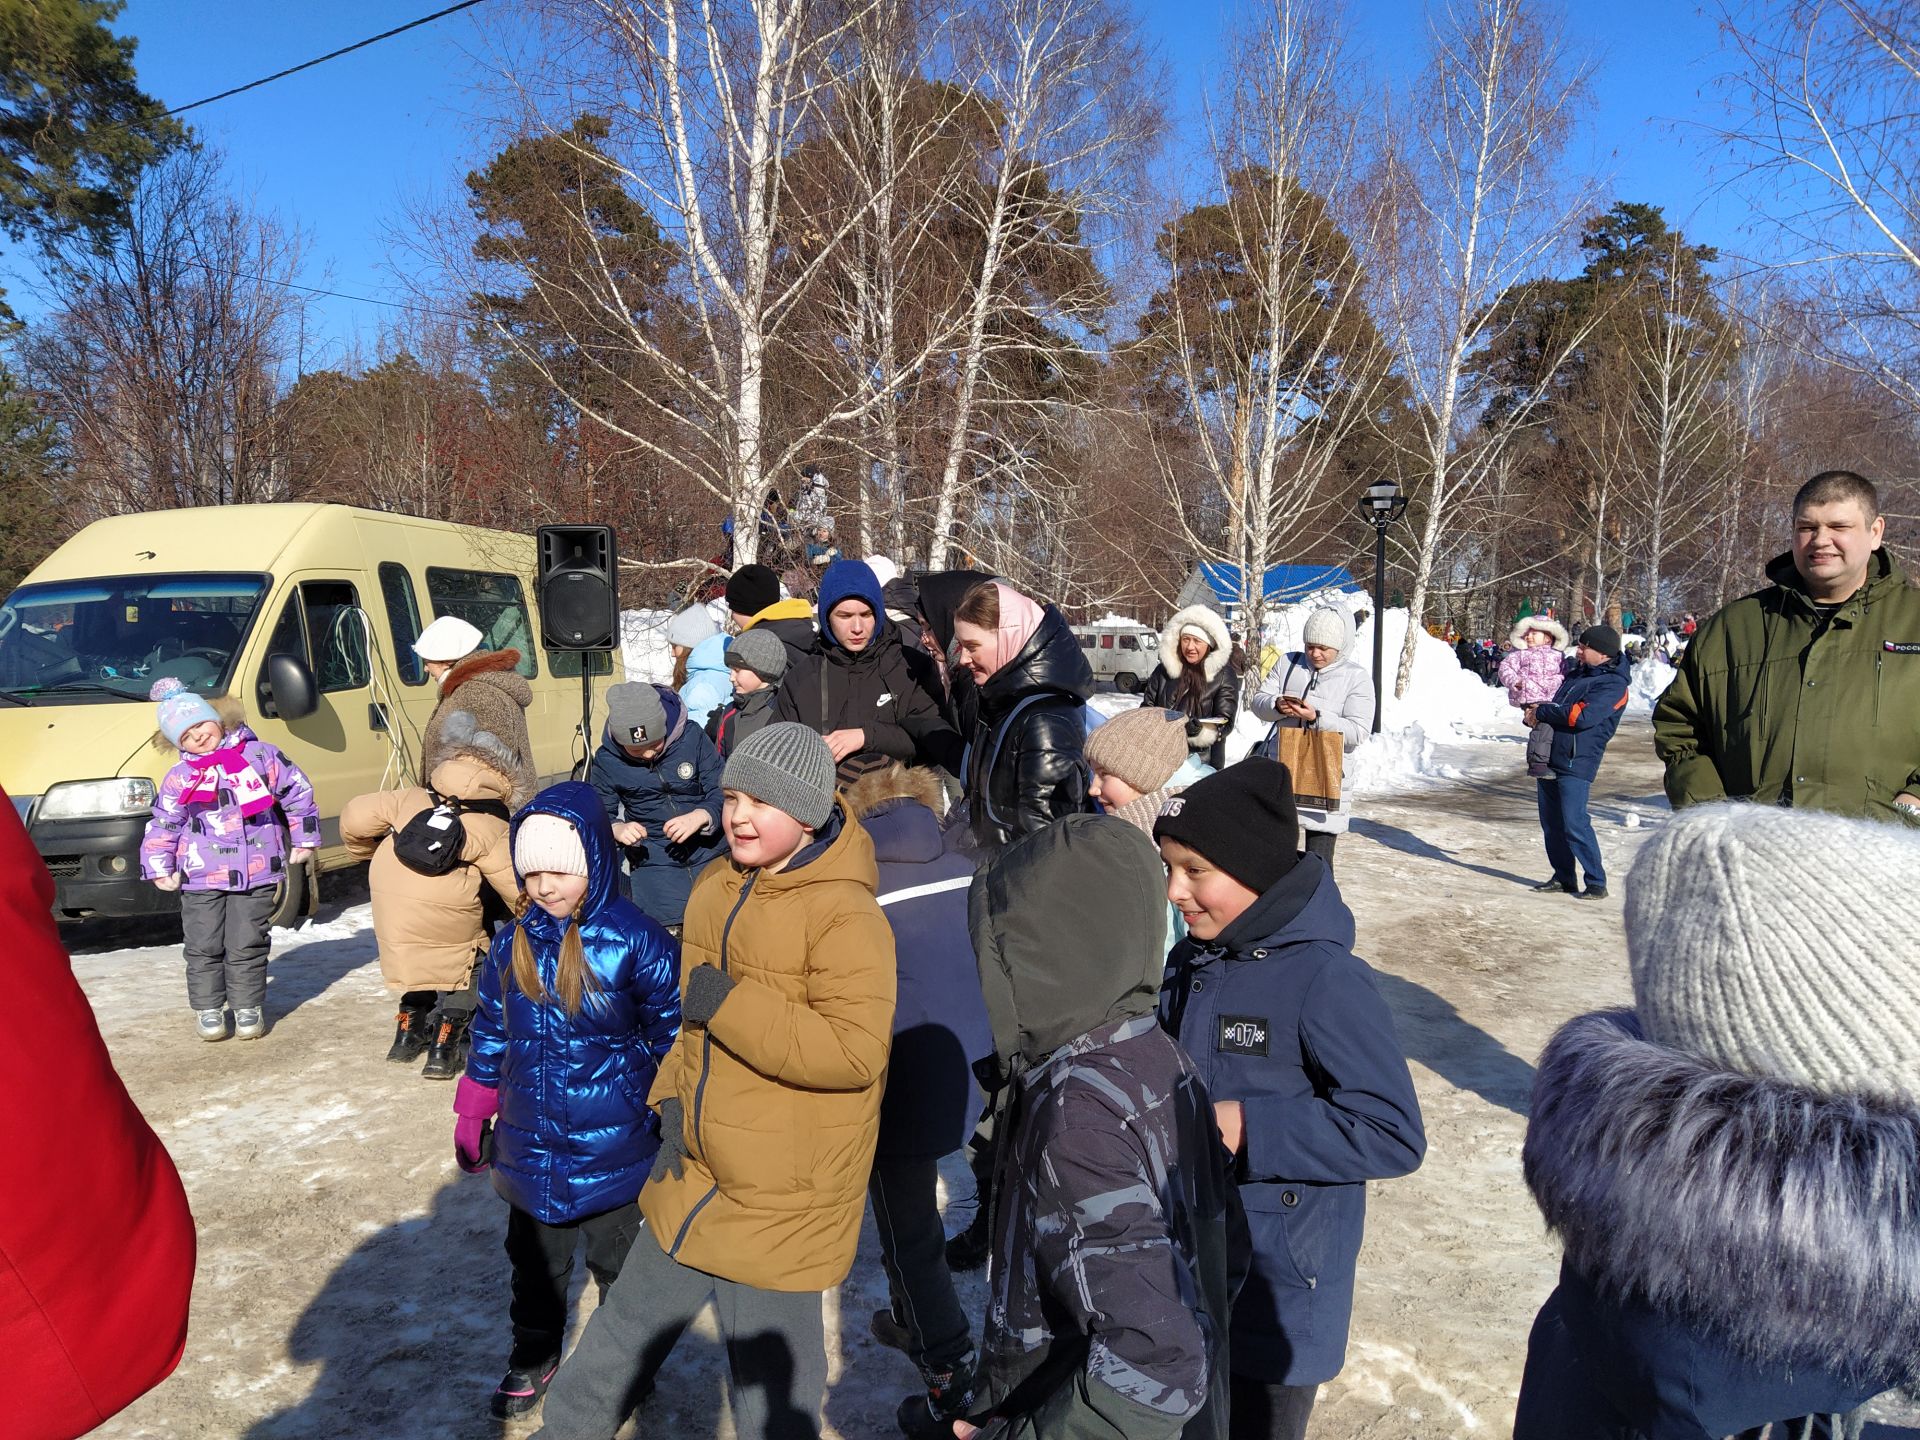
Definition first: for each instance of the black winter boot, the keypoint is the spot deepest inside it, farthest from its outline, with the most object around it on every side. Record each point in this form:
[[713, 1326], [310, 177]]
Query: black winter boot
[[968, 1249], [949, 1396], [410, 1033], [448, 1053], [521, 1387]]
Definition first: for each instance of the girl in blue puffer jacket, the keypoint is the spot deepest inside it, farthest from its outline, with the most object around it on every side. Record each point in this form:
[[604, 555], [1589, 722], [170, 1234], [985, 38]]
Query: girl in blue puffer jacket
[[578, 1002]]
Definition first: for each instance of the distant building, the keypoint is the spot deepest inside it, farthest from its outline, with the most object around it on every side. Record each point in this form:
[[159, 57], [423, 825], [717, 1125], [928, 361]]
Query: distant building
[[1219, 586]]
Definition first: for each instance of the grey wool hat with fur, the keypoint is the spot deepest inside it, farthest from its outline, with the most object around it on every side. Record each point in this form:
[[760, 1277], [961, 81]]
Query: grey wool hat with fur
[[788, 767], [760, 651]]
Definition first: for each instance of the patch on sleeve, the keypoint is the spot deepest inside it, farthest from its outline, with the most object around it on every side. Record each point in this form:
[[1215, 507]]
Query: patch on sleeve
[[1903, 647], [1242, 1035]]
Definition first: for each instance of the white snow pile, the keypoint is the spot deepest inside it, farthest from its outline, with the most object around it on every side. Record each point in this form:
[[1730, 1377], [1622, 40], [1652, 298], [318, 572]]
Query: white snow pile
[[1114, 621], [1443, 702], [1650, 680]]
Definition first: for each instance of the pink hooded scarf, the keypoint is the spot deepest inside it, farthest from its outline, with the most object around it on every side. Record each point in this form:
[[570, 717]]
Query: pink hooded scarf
[[1019, 618]]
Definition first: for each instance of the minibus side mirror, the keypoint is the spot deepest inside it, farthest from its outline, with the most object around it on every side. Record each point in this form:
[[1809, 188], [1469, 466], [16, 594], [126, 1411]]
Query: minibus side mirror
[[291, 692]]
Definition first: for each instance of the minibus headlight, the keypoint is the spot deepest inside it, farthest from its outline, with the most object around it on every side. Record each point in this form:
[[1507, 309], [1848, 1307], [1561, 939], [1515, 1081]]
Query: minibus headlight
[[96, 799]]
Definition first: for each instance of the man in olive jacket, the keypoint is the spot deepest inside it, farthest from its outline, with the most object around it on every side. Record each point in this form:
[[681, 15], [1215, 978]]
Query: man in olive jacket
[[1807, 693]]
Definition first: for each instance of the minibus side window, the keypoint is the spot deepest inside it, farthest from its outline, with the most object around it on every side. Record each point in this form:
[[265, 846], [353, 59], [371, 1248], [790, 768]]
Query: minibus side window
[[565, 664], [289, 638], [492, 603], [403, 621], [335, 622]]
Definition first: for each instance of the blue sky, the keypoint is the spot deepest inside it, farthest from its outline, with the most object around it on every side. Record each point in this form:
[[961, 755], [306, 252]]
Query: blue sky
[[342, 150]]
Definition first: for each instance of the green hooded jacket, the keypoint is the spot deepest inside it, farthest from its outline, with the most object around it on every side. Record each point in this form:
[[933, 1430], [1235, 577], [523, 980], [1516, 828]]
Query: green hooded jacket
[[1778, 704]]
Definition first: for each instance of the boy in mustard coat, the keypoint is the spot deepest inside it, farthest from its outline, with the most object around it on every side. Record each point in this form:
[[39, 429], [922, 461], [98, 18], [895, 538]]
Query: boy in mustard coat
[[769, 1108]]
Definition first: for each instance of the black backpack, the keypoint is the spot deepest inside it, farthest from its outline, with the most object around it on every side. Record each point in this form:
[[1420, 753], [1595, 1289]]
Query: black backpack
[[432, 841]]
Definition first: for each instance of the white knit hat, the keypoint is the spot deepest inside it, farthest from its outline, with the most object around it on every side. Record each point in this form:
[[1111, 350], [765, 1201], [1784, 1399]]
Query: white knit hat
[[1742, 956], [691, 626], [1329, 627], [547, 843], [448, 638]]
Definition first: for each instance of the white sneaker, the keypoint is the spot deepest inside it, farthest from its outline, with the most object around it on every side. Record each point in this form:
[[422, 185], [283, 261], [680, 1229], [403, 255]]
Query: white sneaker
[[212, 1024], [249, 1024]]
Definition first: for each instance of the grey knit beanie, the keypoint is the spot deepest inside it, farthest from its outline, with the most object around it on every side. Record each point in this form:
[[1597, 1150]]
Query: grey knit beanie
[[1140, 747], [1739, 959], [760, 651], [789, 767], [1330, 627], [635, 714]]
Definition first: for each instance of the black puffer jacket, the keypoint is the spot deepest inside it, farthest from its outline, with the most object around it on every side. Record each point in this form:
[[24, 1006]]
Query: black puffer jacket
[[1218, 694], [1118, 1236], [1025, 764]]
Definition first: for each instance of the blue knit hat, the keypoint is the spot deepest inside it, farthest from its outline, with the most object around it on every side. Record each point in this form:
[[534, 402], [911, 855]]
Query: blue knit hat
[[851, 580], [180, 708]]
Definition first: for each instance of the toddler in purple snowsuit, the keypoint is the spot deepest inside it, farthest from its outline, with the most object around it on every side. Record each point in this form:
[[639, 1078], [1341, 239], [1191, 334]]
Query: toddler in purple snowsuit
[[1532, 672], [219, 835]]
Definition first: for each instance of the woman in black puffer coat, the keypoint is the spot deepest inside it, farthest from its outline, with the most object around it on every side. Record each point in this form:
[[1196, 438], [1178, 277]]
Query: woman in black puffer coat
[[1024, 767], [1197, 677]]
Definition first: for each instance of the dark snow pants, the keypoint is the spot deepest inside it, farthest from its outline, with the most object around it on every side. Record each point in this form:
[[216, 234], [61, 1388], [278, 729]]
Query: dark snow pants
[[542, 1259], [913, 1249], [226, 946], [776, 1348], [1259, 1411]]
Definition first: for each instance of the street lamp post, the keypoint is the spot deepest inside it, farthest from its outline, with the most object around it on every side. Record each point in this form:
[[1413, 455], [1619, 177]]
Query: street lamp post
[[1382, 504]]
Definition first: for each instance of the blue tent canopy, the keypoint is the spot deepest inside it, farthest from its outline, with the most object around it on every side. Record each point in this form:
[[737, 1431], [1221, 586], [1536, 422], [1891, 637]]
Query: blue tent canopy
[[1282, 584]]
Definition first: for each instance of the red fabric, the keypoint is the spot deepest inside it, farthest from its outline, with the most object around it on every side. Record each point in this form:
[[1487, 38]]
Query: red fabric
[[96, 1240]]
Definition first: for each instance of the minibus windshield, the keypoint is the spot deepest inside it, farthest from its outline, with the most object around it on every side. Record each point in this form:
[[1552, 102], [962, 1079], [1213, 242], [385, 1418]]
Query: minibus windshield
[[114, 638]]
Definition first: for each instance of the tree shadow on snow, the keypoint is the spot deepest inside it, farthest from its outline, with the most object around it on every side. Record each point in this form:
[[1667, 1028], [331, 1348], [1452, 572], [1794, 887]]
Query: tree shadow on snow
[[1407, 843], [1434, 1033]]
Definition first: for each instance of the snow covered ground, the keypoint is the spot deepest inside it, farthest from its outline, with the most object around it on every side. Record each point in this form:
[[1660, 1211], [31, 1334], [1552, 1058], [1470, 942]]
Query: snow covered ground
[[351, 1281]]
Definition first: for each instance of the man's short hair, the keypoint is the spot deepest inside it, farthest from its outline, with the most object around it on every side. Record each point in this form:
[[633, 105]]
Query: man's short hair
[[1830, 487]]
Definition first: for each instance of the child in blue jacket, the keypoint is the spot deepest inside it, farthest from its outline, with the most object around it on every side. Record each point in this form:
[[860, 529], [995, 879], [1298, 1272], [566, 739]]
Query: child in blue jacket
[[578, 1001], [658, 775], [1297, 1049], [1583, 714]]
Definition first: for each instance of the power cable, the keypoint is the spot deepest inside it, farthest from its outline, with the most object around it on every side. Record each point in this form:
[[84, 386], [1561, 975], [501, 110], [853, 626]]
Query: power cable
[[330, 55]]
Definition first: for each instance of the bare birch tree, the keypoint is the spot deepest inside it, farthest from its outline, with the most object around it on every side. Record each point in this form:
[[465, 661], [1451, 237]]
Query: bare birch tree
[[1479, 202], [1072, 110], [1260, 339], [1829, 133]]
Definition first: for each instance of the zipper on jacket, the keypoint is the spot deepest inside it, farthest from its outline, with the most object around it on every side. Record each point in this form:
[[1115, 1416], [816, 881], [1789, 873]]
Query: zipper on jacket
[[680, 1237], [706, 1036]]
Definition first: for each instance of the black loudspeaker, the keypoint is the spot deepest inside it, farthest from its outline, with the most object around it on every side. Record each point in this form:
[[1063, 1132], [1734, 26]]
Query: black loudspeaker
[[578, 587]]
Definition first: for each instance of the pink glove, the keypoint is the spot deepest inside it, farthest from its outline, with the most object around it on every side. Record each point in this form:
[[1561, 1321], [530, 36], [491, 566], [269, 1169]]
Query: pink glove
[[475, 1104]]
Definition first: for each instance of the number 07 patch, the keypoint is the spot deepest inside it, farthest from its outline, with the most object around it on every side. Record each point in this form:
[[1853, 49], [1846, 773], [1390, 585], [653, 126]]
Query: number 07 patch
[[1242, 1035]]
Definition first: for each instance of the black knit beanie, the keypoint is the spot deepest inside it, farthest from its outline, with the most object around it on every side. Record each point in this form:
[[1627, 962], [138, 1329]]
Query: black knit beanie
[[1603, 638], [1242, 819], [751, 589]]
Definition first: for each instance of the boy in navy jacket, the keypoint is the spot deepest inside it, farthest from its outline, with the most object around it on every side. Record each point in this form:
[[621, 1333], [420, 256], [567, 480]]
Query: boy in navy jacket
[[1583, 716], [1298, 1051], [659, 778]]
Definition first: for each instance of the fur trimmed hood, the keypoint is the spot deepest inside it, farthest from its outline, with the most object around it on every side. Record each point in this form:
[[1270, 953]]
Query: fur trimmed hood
[[500, 663], [1781, 1222], [1517, 636], [1218, 639]]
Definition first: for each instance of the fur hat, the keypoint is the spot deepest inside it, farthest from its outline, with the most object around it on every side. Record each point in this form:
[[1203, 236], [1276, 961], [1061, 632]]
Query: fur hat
[[1736, 961], [1196, 619], [1141, 748], [760, 651], [1545, 624], [548, 844], [179, 708], [1329, 627], [787, 766]]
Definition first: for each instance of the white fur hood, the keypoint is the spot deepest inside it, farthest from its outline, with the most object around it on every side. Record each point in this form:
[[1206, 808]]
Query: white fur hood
[[1217, 637]]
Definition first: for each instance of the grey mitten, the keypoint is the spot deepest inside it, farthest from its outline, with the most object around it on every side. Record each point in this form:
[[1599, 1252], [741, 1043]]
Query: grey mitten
[[673, 1142], [707, 987]]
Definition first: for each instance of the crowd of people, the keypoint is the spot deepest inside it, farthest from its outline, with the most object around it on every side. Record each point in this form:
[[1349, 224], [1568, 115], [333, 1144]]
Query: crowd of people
[[755, 976]]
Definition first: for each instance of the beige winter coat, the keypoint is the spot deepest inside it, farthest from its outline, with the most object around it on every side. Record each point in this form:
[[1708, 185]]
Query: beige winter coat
[[428, 926]]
